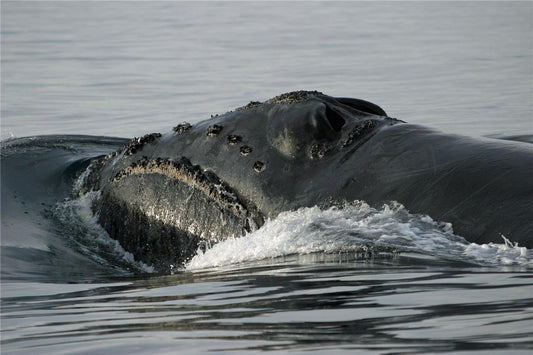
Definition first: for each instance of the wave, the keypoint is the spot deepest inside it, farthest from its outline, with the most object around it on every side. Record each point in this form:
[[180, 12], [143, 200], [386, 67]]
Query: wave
[[83, 232], [37, 174]]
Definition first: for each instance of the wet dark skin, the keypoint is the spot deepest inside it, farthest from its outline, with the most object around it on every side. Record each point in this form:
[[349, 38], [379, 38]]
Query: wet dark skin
[[304, 149]]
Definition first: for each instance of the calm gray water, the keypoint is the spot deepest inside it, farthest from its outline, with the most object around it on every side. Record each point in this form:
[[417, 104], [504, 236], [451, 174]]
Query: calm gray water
[[124, 69]]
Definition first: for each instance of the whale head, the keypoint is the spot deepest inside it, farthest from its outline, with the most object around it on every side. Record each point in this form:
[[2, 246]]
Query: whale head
[[164, 196]]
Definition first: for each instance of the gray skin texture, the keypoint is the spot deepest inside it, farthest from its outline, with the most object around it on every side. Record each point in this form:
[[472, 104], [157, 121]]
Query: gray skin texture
[[165, 196]]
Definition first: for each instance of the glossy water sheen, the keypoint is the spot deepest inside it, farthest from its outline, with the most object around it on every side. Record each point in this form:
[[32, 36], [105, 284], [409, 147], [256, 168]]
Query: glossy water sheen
[[396, 305], [125, 69]]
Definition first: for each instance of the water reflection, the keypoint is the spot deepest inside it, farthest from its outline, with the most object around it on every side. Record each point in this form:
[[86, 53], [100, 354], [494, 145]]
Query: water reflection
[[361, 304]]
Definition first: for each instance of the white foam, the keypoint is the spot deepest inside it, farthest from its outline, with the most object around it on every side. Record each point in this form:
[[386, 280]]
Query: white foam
[[356, 226], [500, 254]]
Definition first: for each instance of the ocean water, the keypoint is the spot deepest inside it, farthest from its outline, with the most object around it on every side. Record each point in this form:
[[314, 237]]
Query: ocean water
[[74, 75]]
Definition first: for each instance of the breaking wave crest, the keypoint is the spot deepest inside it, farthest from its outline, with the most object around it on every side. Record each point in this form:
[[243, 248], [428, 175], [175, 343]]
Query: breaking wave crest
[[358, 228]]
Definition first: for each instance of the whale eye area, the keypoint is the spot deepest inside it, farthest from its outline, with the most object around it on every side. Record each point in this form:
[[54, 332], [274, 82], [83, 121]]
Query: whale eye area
[[335, 119]]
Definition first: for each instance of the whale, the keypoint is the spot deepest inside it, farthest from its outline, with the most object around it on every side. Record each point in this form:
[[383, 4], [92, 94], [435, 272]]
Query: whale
[[166, 196]]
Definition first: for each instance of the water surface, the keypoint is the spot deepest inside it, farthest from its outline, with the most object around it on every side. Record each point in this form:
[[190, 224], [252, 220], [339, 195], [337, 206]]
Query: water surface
[[305, 282]]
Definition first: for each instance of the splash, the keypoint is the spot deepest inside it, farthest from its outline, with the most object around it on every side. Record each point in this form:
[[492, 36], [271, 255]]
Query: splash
[[354, 228], [507, 253]]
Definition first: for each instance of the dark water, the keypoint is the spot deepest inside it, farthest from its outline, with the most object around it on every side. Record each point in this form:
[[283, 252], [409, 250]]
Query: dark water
[[300, 283], [381, 305]]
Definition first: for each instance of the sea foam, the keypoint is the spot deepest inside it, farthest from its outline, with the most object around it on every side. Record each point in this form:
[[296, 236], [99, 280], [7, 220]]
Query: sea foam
[[355, 228]]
